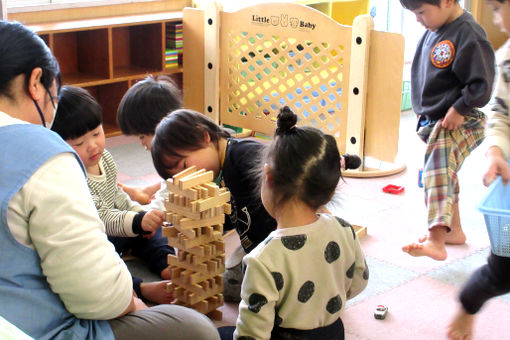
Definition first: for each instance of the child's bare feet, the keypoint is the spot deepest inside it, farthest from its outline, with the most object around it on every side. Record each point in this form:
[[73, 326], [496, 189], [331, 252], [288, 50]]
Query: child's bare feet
[[156, 292], [432, 246], [461, 328], [166, 274], [136, 193]]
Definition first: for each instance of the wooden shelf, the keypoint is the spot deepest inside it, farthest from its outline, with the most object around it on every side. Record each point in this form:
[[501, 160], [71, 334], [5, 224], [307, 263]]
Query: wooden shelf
[[108, 55]]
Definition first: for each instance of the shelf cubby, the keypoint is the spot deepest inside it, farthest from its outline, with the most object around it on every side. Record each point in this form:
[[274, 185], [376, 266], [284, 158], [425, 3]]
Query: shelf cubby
[[108, 55], [109, 96], [82, 55], [137, 50]]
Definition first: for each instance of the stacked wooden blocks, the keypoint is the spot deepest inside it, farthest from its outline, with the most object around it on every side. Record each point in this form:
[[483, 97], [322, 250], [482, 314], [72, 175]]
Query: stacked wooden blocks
[[196, 209]]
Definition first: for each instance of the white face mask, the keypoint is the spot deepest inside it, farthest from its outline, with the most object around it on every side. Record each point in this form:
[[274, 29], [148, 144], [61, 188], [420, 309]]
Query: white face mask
[[50, 124]]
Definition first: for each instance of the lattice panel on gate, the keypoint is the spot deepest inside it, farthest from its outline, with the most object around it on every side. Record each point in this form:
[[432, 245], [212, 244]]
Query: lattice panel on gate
[[268, 61]]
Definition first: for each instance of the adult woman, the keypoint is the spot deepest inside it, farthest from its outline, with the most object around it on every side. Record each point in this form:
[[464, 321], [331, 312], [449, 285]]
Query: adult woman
[[60, 276]]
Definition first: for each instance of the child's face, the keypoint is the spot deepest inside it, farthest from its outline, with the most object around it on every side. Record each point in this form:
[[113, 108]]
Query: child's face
[[206, 158], [146, 141], [89, 147], [433, 17], [501, 14]]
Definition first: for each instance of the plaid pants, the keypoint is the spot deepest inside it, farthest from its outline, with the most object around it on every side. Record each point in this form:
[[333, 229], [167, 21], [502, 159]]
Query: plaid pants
[[446, 151]]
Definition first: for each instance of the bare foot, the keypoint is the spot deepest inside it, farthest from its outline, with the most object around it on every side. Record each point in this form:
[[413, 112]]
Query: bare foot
[[135, 193], [455, 236], [431, 245], [166, 274], [156, 292], [461, 328]]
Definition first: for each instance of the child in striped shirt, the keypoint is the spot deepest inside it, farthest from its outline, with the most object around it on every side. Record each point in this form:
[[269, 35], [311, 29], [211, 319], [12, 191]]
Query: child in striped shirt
[[79, 122]]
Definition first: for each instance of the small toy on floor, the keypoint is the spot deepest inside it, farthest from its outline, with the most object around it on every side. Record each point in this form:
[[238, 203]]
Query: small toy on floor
[[380, 312], [393, 189]]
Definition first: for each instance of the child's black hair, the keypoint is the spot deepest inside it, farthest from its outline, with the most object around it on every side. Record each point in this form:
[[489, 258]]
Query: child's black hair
[[77, 113], [183, 130], [21, 51], [147, 102], [304, 162], [414, 4]]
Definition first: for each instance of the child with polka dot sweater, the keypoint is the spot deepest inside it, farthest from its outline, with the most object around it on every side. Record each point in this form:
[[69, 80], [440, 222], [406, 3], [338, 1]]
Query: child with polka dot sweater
[[298, 279]]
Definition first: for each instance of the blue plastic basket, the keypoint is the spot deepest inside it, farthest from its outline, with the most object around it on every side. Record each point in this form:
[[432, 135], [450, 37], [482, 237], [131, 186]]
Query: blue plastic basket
[[495, 207]]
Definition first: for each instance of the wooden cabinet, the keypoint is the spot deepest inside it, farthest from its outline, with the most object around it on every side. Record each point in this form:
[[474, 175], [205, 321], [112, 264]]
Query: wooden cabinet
[[108, 55]]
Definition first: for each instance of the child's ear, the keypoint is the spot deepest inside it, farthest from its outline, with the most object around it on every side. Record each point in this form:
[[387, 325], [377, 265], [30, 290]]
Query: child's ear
[[268, 176], [35, 87], [207, 138]]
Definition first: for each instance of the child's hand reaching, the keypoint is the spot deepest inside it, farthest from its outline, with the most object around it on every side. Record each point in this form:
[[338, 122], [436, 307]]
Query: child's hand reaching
[[497, 166], [151, 221], [452, 120]]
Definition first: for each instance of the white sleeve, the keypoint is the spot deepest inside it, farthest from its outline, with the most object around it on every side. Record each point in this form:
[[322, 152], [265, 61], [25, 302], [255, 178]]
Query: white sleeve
[[80, 264], [258, 299], [158, 202], [498, 125]]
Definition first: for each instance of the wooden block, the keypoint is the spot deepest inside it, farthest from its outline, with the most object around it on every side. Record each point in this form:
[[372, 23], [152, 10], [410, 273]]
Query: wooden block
[[360, 231], [213, 188], [215, 315], [196, 179], [187, 223], [214, 201], [227, 208], [186, 172]]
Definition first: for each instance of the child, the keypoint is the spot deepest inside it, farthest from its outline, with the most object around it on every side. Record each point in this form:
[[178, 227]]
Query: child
[[79, 122], [298, 280], [492, 279], [140, 110], [451, 75], [187, 138]]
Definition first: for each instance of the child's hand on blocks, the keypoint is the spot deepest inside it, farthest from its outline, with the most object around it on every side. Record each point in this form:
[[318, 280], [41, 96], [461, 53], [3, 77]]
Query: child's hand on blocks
[[151, 221]]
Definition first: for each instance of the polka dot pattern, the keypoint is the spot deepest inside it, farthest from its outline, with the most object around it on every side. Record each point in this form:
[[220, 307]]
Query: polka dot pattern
[[278, 280], [334, 305], [256, 302], [332, 252], [294, 242], [306, 291], [350, 271], [366, 272], [346, 224]]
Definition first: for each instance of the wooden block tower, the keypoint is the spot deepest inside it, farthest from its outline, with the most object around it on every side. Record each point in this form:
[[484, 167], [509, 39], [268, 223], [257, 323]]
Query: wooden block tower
[[196, 209]]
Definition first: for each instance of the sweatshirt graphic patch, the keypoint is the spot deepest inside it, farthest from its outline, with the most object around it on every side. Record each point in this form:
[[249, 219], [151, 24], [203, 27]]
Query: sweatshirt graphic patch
[[442, 54]]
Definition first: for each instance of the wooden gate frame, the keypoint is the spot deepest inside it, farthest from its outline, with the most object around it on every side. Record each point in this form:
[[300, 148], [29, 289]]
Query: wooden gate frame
[[369, 128]]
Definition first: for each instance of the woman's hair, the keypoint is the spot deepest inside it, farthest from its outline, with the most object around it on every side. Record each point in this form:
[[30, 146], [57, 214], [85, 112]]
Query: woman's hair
[[183, 130], [77, 113], [146, 103], [21, 51], [304, 162]]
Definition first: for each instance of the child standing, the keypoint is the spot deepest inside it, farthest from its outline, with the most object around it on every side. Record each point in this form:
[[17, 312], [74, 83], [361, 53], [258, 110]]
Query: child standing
[[451, 76], [298, 280], [142, 107], [79, 122], [492, 279]]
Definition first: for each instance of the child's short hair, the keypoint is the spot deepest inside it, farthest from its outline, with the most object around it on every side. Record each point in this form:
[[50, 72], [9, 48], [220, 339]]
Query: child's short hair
[[414, 4], [77, 113], [304, 162], [183, 130], [147, 102]]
